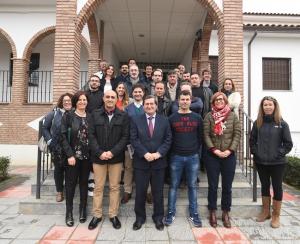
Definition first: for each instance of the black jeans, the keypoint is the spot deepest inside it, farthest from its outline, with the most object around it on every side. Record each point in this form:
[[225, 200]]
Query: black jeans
[[80, 170], [268, 173], [59, 171], [214, 167]]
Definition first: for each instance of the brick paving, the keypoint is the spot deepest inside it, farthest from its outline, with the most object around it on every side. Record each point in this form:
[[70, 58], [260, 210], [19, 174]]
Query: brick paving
[[51, 229]]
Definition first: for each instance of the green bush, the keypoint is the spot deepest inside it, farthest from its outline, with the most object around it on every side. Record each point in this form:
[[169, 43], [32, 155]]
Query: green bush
[[4, 165], [292, 172]]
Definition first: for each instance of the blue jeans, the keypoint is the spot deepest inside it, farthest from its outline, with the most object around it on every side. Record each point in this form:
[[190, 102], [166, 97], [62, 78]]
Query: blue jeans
[[190, 164]]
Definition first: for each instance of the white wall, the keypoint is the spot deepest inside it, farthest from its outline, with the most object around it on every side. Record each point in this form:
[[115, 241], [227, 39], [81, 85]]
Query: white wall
[[277, 46], [22, 26], [110, 55], [187, 59], [80, 4], [20, 154], [46, 49]]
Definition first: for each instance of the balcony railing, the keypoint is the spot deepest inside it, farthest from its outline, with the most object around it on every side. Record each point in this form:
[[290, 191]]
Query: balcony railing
[[5, 86], [40, 87], [244, 157]]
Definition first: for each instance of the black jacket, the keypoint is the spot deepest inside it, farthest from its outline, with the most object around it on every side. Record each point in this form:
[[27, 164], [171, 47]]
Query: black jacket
[[95, 100], [105, 135], [270, 143], [70, 124]]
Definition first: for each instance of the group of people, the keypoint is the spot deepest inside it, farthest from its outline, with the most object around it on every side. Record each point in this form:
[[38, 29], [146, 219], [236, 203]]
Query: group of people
[[156, 131]]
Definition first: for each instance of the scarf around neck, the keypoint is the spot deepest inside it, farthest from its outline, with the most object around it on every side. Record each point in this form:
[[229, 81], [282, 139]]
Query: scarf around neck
[[219, 117]]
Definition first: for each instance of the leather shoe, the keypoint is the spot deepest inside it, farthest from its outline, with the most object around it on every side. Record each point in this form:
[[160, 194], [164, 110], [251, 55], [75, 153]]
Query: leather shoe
[[69, 219], [159, 225], [213, 218], [137, 225], [115, 222], [94, 223], [82, 213], [126, 198], [226, 219]]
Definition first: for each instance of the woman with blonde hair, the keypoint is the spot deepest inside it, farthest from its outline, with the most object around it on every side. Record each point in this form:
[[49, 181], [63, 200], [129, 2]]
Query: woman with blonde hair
[[270, 141], [222, 134], [234, 97]]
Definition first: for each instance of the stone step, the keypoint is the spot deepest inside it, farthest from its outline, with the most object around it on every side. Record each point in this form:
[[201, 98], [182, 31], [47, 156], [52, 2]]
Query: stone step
[[241, 207], [239, 189]]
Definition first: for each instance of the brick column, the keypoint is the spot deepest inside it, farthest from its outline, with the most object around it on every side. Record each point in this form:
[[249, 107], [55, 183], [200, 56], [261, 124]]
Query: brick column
[[67, 49], [231, 43], [20, 81], [94, 60]]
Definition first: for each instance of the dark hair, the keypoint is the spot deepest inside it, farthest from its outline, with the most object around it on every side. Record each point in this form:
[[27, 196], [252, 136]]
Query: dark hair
[[151, 96], [172, 72], [160, 82], [61, 98], [195, 73], [138, 85], [232, 83], [185, 83], [94, 76], [110, 66], [76, 96], [131, 59], [185, 93], [205, 70]]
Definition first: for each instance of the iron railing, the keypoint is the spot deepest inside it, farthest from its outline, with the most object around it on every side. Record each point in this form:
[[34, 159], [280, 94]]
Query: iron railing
[[44, 164], [5, 86], [40, 87], [244, 157]]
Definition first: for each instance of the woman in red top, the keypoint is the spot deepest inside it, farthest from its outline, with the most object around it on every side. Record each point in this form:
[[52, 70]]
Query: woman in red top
[[123, 98]]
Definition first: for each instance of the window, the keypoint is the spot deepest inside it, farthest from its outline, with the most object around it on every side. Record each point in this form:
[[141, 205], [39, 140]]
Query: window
[[213, 60], [33, 67], [276, 73]]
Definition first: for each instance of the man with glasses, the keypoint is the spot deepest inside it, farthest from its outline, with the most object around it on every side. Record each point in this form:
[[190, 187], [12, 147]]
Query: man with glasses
[[108, 137]]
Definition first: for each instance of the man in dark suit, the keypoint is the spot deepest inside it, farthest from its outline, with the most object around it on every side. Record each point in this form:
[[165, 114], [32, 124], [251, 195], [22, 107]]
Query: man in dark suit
[[151, 137]]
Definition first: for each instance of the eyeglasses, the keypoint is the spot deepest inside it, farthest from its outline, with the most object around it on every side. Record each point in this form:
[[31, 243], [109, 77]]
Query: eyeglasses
[[112, 97], [219, 99]]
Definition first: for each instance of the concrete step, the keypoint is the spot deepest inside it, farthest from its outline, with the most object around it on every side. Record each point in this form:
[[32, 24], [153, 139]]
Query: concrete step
[[241, 207]]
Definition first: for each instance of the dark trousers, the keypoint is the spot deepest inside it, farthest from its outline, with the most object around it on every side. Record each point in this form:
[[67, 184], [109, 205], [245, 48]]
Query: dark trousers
[[80, 170], [142, 179], [268, 173], [214, 167], [59, 171]]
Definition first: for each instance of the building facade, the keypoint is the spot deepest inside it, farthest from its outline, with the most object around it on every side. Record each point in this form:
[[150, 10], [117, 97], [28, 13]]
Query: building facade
[[51, 47]]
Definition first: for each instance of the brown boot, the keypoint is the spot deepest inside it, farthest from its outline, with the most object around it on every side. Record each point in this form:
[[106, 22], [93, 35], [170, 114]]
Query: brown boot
[[265, 212], [126, 197], [212, 218], [226, 219], [59, 196], [275, 222]]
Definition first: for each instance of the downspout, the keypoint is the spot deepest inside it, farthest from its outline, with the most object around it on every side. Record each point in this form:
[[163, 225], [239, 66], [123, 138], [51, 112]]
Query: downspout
[[249, 73]]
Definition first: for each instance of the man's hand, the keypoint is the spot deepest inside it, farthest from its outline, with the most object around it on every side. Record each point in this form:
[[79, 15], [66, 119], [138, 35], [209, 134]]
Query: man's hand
[[156, 155], [109, 155], [104, 156], [149, 157]]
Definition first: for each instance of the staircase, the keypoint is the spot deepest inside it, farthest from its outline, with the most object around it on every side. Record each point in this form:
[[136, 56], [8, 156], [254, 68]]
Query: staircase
[[242, 202]]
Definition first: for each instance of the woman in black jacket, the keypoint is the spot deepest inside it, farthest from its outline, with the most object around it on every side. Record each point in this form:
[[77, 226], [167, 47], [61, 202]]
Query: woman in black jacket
[[74, 130], [270, 141], [51, 133]]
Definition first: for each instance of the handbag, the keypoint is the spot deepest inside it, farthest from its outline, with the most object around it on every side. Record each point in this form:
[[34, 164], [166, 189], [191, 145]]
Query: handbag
[[43, 145]]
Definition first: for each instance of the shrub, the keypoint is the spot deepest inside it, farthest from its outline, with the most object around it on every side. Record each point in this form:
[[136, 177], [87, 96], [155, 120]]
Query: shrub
[[4, 165], [292, 172]]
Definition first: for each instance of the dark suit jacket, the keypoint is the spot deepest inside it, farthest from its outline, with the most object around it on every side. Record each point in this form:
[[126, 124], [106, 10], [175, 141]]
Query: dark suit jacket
[[142, 142]]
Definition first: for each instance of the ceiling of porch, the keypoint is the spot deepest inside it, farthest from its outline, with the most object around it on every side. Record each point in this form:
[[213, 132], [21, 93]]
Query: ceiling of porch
[[151, 30]]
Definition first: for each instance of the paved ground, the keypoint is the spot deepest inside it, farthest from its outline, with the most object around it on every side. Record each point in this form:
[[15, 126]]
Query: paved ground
[[48, 229]]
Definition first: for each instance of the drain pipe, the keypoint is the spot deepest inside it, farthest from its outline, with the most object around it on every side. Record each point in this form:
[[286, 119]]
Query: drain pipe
[[249, 73]]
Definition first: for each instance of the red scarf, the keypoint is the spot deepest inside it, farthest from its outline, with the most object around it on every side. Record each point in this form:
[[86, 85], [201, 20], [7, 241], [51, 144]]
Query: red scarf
[[219, 116]]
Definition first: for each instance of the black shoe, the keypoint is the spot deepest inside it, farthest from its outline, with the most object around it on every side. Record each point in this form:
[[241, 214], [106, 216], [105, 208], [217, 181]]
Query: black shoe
[[94, 223], [82, 214], [69, 219], [115, 222], [159, 225], [137, 225]]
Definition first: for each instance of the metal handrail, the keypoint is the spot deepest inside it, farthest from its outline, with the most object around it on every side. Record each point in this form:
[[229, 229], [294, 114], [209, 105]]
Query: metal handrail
[[44, 164], [244, 157]]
